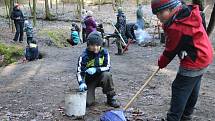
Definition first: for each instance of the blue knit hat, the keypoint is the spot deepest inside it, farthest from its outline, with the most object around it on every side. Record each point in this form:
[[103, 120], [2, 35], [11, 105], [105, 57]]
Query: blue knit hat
[[159, 5]]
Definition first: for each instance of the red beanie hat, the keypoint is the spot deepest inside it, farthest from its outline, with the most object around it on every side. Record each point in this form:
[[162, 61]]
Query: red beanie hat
[[159, 5]]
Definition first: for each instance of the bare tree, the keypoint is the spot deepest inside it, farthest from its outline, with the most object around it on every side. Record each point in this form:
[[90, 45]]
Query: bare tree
[[34, 12], [212, 22], [47, 11]]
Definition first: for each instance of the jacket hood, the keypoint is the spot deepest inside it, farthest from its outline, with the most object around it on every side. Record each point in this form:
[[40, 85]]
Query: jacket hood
[[189, 15]]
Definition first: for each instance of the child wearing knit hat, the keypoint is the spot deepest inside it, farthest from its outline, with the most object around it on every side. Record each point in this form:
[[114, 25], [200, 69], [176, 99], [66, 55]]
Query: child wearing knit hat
[[187, 38]]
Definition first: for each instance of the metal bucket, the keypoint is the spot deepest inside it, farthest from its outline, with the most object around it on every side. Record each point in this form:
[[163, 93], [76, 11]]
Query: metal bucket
[[75, 103]]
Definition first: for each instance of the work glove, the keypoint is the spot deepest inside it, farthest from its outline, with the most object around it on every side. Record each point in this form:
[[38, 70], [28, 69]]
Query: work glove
[[83, 87], [91, 71], [163, 61]]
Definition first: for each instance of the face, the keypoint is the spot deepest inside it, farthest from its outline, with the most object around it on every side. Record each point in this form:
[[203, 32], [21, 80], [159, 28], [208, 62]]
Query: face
[[94, 48], [164, 15]]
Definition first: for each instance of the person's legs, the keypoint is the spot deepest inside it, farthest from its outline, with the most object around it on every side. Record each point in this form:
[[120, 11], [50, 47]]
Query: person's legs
[[17, 26], [182, 88], [106, 82], [21, 24], [91, 86], [192, 100], [119, 46]]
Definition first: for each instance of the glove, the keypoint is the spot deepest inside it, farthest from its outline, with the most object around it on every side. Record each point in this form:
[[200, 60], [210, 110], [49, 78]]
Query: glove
[[163, 61], [91, 71], [82, 87]]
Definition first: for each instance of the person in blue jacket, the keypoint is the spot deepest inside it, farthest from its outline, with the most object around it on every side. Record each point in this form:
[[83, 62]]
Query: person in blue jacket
[[75, 35], [94, 71], [32, 51]]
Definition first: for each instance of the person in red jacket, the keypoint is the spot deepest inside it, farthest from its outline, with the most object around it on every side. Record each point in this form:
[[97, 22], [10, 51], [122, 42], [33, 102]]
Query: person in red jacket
[[187, 38]]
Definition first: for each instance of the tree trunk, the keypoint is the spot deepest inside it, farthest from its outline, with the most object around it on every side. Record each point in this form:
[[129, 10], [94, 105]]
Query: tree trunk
[[82, 2], [11, 9], [201, 3], [138, 2], [47, 11], [212, 22], [56, 2], [34, 12], [29, 3], [51, 3]]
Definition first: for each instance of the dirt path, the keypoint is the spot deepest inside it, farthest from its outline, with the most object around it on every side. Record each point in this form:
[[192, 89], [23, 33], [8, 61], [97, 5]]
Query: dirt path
[[36, 90]]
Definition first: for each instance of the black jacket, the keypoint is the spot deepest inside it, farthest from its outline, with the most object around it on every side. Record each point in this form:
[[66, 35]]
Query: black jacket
[[15, 14]]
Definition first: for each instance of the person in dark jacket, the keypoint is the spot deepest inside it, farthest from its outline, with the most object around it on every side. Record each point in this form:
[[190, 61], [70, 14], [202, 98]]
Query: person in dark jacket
[[121, 27], [94, 71], [187, 38], [32, 51], [130, 28], [18, 18], [90, 23]]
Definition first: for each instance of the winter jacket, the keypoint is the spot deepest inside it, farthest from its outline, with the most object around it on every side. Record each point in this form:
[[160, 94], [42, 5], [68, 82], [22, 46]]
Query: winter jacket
[[28, 29], [130, 31], [15, 14], [31, 52], [185, 34], [88, 59], [90, 24]]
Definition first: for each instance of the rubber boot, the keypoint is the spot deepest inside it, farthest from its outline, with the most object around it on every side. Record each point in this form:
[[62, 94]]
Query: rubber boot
[[111, 101]]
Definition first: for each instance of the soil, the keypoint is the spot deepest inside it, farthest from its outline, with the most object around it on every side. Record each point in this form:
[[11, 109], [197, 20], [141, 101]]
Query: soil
[[35, 91]]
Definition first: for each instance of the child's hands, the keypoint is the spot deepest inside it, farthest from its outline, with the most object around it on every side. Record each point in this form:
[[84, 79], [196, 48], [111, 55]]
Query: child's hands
[[91, 71], [82, 87], [163, 61]]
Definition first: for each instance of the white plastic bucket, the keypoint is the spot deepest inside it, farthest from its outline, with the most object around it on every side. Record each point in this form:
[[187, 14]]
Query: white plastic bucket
[[75, 103]]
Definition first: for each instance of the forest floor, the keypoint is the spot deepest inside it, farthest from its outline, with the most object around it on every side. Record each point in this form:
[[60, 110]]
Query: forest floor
[[35, 91]]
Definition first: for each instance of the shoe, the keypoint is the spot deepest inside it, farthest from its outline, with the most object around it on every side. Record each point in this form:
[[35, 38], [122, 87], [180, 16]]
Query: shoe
[[186, 118], [118, 54], [111, 101], [20, 41]]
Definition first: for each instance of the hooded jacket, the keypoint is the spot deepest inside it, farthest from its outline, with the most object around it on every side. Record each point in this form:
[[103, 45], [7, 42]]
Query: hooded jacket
[[17, 13], [185, 33], [90, 24]]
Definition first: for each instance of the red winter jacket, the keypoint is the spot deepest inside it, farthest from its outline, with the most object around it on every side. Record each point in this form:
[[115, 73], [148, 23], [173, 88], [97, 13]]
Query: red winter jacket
[[185, 33]]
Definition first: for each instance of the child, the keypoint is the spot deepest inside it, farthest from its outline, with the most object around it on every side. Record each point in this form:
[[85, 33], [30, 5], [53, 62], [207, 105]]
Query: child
[[29, 31], [121, 27], [186, 37], [31, 51], [83, 16], [93, 71], [90, 23], [75, 37]]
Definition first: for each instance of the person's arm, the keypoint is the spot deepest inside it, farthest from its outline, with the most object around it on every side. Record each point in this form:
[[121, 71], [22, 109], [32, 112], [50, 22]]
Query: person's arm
[[81, 69], [173, 46], [106, 65], [12, 16]]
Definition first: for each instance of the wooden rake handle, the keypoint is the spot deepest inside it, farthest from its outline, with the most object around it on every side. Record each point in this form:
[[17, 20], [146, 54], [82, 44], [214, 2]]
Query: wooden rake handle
[[140, 90]]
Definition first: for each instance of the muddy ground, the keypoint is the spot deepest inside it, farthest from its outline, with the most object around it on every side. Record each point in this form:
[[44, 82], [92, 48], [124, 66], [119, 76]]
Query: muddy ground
[[35, 91]]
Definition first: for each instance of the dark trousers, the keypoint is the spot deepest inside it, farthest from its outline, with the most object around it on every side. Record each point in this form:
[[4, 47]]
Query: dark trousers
[[103, 80], [19, 31], [29, 40], [185, 91]]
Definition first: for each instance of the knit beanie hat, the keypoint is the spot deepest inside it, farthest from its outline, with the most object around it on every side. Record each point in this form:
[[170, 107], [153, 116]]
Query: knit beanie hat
[[94, 38], [159, 5]]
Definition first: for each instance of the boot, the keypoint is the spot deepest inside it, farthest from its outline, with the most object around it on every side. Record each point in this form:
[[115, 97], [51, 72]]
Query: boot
[[186, 118], [111, 101]]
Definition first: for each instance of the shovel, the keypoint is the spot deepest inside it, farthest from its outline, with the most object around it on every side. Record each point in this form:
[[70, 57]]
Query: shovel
[[119, 115]]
